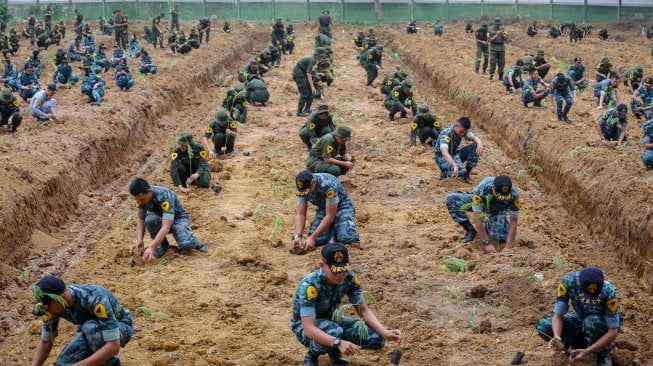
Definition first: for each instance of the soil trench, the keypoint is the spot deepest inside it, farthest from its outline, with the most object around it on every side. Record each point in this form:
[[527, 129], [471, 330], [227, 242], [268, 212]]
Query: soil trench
[[608, 209]]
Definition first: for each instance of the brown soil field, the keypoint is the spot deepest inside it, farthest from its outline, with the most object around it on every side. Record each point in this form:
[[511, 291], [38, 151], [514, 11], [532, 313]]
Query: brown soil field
[[64, 196]]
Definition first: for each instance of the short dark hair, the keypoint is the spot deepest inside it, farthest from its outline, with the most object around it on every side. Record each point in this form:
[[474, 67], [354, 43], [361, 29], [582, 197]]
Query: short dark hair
[[614, 75], [465, 122], [139, 186]]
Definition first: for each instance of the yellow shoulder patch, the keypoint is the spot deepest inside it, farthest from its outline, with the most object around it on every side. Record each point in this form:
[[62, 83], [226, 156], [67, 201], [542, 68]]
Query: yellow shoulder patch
[[329, 149], [165, 206], [370, 57], [518, 203], [356, 281], [447, 139], [562, 290], [330, 193], [437, 124], [16, 103], [209, 130], [413, 126], [613, 305], [174, 156], [389, 82], [396, 94], [605, 116], [203, 154], [39, 101], [311, 292], [233, 125], [100, 311], [47, 317], [413, 98], [137, 204], [311, 126], [245, 104], [477, 200]]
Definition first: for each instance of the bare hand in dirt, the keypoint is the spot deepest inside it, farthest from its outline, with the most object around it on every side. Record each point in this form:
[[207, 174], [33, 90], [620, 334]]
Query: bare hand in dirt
[[313, 91], [490, 249], [556, 344], [599, 107], [348, 164], [455, 171], [308, 244], [393, 335], [298, 246], [184, 190], [148, 255], [347, 348], [479, 150], [212, 154], [137, 247], [576, 355]]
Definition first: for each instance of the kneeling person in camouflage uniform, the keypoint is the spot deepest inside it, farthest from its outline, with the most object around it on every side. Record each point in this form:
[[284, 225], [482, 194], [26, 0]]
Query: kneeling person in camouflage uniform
[[425, 125], [315, 301], [329, 153], [495, 204], [449, 158], [167, 214], [222, 131], [104, 325], [188, 164], [594, 323], [334, 215]]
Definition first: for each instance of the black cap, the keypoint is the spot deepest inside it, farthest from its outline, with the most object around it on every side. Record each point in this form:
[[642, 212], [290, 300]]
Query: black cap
[[336, 256], [303, 182], [591, 282], [502, 187], [50, 285]]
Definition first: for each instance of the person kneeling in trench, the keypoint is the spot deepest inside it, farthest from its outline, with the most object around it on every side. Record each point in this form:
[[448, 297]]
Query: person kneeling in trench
[[495, 204], [315, 301], [329, 153], [166, 215]]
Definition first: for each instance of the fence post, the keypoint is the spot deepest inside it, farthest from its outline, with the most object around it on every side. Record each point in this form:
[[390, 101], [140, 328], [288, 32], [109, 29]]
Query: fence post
[[206, 9], [342, 10], [446, 10], [238, 8], [274, 10], [585, 8], [70, 5], [104, 9], [551, 3], [619, 10], [308, 10], [517, 10], [482, 8]]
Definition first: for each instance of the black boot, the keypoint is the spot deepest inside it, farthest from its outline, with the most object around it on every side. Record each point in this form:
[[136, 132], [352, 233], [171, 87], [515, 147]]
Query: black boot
[[336, 358], [470, 232], [500, 76], [310, 359]]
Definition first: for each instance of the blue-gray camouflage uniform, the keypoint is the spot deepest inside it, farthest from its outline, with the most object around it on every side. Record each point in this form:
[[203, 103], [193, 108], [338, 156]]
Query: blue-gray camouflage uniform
[[498, 212], [607, 89], [647, 156], [315, 297], [100, 318], [590, 319], [576, 73], [612, 125], [645, 93], [449, 140], [329, 191], [562, 91], [165, 205]]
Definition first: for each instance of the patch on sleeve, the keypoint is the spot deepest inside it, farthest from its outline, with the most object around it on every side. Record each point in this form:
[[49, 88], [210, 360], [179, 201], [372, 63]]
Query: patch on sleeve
[[174, 156], [330, 193], [437, 124], [16, 104], [311, 292], [39, 101], [413, 126], [137, 204], [369, 57], [311, 126], [518, 203], [245, 104], [612, 305], [356, 281], [209, 130], [47, 317], [100, 311], [447, 139], [396, 94], [233, 125], [562, 290], [413, 98], [165, 206], [388, 83], [329, 149], [605, 116], [203, 154], [477, 200]]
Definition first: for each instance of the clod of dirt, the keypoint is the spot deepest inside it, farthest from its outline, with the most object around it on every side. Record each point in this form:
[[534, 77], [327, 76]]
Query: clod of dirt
[[626, 344], [485, 326], [132, 262], [248, 213], [224, 176], [276, 278], [477, 292], [170, 345]]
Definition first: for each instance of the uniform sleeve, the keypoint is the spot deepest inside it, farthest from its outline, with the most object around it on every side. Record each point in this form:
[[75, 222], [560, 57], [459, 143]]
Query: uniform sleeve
[[515, 205], [174, 166], [301, 200], [469, 135], [168, 206], [612, 319], [327, 151], [355, 291], [562, 296], [50, 327], [308, 295], [104, 313], [443, 141], [478, 198]]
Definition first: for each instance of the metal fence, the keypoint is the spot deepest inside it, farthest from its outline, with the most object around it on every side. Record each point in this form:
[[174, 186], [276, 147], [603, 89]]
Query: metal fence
[[348, 11]]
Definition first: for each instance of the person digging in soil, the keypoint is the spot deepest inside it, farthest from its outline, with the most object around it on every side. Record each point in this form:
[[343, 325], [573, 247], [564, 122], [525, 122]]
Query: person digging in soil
[[42, 106], [329, 153], [612, 123], [647, 140], [316, 299], [10, 111], [222, 131], [449, 158], [166, 214], [495, 204], [641, 103], [592, 326], [426, 126], [334, 213], [401, 99], [188, 164], [317, 125], [104, 325], [531, 93], [607, 91]]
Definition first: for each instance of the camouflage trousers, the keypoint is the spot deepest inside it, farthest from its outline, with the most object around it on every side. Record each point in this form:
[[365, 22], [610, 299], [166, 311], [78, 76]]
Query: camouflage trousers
[[647, 158], [181, 231], [576, 332], [481, 52], [319, 132], [466, 155], [424, 133], [348, 329], [561, 96], [343, 228], [203, 181], [305, 94], [90, 338], [634, 104], [496, 225], [316, 165], [394, 106]]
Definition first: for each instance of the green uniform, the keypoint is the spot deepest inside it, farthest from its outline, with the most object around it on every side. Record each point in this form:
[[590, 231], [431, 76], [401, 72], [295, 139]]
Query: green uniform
[[425, 126], [390, 81], [397, 100], [326, 147], [217, 132], [10, 107], [186, 163], [304, 66], [315, 128], [370, 59], [236, 104], [497, 54], [481, 49]]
